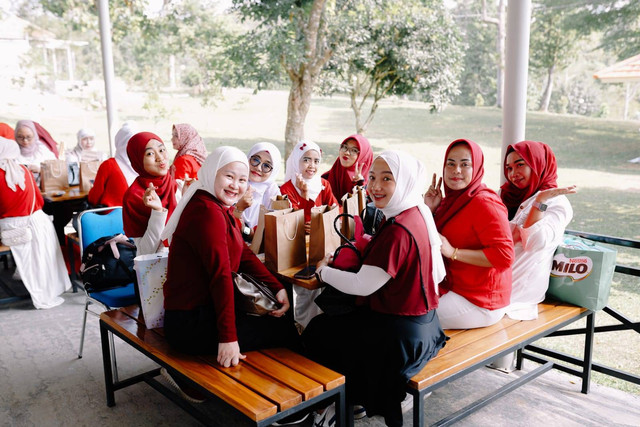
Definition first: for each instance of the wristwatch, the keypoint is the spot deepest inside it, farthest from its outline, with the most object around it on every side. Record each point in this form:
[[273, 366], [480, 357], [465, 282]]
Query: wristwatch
[[540, 206]]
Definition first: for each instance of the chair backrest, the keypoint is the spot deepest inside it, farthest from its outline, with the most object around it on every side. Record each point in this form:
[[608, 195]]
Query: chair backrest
[[96, 223]]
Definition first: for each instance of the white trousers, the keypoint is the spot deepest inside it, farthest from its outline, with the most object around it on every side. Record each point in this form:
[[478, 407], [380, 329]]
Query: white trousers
[[456, 312]]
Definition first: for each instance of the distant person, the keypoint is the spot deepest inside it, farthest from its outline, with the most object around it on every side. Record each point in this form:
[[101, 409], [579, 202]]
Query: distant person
[[476, 241], [115, 174], [191, 151], [352, 166], [39, 261], [7, 132], [32, 150], [85, 149], [151, 199]]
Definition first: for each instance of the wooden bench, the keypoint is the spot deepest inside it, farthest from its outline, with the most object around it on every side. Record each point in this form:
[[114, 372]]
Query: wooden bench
[[265, 387], [471, 349]]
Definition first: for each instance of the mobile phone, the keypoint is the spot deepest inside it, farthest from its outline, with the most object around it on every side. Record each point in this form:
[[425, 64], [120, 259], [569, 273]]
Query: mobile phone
[[306, 273]]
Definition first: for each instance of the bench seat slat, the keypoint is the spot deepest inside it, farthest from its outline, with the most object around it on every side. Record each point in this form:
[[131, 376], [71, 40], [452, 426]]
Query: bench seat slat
[[226, 388], [325, 376]]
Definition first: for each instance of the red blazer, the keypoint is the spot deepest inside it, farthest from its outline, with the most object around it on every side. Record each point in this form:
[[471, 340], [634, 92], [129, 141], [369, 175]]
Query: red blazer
[[325, 197], [109, 186]]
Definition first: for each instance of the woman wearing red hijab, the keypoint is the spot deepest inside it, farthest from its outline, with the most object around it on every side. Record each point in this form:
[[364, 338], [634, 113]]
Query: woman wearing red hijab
[[150, 200], [351, 167], [476, 241]]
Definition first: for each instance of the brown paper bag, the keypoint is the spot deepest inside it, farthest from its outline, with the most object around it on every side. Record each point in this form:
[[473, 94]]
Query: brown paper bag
[[88, 171], [349, 206], [257, 243], [284, 242], [323, 239], [361, 195], [54, 176], [280, 202]]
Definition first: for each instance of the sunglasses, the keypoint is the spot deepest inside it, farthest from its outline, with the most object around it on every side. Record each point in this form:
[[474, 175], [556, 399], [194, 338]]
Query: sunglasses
[[255, 161]]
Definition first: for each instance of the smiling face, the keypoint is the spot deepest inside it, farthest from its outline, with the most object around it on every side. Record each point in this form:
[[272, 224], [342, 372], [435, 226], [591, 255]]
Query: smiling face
[[518, 171], [24, 136], [349, 152], [309, 164], [382, 184], [231, 183], [458, 170], [87, 142], [260, 167], [156, 161]]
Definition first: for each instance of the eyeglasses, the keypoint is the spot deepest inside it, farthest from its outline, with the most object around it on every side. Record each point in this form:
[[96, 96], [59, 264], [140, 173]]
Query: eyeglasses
[[24, 138], [353, 151], [256, 161]]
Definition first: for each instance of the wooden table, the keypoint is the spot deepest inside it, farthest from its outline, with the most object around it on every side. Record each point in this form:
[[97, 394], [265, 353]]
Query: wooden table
[[71, 193], [62, 207], [287, 276]]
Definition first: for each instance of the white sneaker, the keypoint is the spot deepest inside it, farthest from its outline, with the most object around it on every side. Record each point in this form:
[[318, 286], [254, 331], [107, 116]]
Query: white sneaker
[[359, 412], [407, 403], [327, 418]]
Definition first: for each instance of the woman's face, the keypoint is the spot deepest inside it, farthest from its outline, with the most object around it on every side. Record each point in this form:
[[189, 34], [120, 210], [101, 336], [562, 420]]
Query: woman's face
[[156, 161], [309, 164], [382, 184], [174, 138], [231, 183], [349, 152], [260, 167], [87, 142], [458, 170], [24, 136], [518, 171]]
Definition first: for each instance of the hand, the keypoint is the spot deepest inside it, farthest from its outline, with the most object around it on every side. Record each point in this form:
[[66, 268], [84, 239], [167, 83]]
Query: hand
[[34, 168], [283, 299], [302, 186], [187, 182], [307, 228], [229, 354], [357, 176], [446, 249], [324, 262], [433, 196], [246, 200], [550, 193], [151, 200]]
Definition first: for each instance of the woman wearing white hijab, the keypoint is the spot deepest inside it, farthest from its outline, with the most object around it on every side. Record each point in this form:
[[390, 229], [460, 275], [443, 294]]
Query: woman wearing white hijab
[[396, 326], [206, 247], [264, 166], [39, 261], [85, 149]]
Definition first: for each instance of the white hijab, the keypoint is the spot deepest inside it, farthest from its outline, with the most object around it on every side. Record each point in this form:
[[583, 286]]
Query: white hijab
[[82, 154], [220, 157], [122, 138], [410, 174], [314, 185], [14, 173], [263, 191]]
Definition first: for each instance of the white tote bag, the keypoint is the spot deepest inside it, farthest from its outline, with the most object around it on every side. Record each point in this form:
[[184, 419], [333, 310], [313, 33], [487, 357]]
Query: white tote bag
[[151, 271]]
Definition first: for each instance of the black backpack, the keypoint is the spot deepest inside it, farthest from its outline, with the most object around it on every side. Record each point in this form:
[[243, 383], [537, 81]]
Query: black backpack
[[108, 263]]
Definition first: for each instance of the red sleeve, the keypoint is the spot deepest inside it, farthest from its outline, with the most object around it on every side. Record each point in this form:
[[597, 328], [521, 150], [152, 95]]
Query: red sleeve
[[327, 195], [186, 165], [99, 184], [494, 232]]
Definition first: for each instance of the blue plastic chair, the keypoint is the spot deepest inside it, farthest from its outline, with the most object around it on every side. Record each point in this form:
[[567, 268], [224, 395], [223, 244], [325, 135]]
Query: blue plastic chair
[[92, 225]]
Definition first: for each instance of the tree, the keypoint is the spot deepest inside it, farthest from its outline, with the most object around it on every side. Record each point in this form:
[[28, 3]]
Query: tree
[[500, 23], [385, 47]]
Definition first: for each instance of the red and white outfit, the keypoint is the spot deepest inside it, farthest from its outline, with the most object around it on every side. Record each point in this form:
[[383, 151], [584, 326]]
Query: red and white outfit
[[341, 178], [475, 218], [191, 152], [263, 192]]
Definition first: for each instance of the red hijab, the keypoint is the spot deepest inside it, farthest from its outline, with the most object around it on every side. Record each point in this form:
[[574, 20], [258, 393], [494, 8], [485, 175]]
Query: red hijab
[[544, 172], [135, 213], [6, 131], [455, 200], [46, 138], [341, 178]]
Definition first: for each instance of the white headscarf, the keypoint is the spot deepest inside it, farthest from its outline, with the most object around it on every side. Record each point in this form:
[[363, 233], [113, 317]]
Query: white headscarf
[[220, 157], [122, 138], [14, 173], [85, 154], [314, 185], [410, 174], [263, 191]]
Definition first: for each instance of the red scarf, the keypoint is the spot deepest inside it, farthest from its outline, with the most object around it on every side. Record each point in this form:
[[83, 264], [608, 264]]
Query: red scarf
[[455, 200], [46, 138], [135, 214], [6, 131], [341, 178], [544, 172]]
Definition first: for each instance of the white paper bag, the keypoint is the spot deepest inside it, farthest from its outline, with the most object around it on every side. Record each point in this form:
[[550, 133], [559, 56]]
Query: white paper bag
[[151, 271]]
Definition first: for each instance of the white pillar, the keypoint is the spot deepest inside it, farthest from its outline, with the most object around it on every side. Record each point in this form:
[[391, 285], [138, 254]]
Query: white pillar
[[107, 67], [70, 64], [514, 108]]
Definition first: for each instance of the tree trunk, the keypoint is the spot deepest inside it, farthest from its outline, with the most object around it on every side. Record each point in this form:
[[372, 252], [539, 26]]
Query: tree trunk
[[297, 109], [546, 95]]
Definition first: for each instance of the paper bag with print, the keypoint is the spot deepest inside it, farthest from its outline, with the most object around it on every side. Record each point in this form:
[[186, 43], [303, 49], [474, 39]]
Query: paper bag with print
[[284, 239], [323, 239]]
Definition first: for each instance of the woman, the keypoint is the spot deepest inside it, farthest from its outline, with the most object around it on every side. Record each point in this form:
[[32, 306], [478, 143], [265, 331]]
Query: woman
[[191, 151], [39, 261], [476, 239], [32, 151], [206, 248], [539, 211], [303, 185], [264, 166], [115, 174], [351, 167], [397, 328], [85, 149], [151, 199]]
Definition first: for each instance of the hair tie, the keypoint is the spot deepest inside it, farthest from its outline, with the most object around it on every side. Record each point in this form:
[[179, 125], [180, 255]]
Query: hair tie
[[303, 145]]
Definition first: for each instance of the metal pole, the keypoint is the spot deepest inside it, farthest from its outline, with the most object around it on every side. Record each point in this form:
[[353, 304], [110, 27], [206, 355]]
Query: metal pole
[[514, 108], [107, 67]]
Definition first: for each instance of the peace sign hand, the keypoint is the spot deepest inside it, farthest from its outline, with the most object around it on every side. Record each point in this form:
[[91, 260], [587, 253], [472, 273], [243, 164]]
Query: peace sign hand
[[357, 176], [433, 196]]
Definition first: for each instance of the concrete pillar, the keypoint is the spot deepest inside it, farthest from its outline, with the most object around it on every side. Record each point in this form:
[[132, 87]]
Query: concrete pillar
[[107, 67]]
